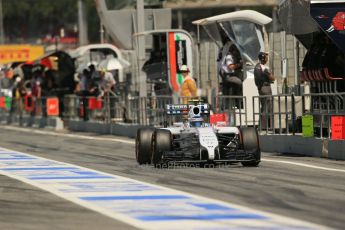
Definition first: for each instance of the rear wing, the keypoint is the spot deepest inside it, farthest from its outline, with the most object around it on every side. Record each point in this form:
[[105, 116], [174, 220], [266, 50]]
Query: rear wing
[[184, 109]]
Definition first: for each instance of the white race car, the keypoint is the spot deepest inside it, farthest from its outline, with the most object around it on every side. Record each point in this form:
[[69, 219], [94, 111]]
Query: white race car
[[196, 140]]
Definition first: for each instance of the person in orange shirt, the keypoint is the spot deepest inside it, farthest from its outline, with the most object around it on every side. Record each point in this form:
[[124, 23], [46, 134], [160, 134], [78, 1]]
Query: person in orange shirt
[[188, 88]]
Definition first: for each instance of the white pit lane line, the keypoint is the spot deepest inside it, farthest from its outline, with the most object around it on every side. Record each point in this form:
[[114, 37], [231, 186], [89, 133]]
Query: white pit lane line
[[304, 165], [67, 135], [143, 205], [133, 142]]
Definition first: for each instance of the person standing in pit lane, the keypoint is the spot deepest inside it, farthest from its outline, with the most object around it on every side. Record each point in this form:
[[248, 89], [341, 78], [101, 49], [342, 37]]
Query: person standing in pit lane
[[231, 73], [188, 88], [263, 80]]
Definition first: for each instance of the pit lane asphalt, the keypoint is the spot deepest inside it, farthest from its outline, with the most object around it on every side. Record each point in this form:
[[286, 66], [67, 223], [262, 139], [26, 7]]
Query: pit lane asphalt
[[309, 194]]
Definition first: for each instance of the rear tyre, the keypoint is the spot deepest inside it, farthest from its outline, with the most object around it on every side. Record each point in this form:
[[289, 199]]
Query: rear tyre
[[250, 140], [162, 141], [143, 145]]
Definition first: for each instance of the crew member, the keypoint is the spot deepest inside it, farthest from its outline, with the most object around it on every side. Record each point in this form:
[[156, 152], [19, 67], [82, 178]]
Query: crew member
[[188, 88], [232, 84], [263, 80], [231, 67]]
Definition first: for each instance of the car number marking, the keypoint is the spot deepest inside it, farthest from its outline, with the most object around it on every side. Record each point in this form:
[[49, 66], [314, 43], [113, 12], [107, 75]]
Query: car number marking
[[208, 139]]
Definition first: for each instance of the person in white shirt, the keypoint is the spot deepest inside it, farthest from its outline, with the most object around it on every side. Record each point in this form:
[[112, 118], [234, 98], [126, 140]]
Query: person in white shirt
[[230, 66], [107, 81]]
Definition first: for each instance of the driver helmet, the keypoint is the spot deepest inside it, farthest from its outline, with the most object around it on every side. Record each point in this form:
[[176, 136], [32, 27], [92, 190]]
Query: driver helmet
[[196, 122]]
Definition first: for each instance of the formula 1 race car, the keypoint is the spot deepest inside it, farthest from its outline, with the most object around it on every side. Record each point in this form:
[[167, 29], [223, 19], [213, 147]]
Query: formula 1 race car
[[196, 140]]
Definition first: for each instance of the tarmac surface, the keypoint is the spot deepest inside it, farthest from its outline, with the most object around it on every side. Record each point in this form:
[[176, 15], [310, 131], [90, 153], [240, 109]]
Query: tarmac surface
[[304, 188]]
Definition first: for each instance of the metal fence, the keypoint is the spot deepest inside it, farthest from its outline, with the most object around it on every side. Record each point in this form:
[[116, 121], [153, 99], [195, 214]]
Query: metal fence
[[277, 114], [234, 106], [112, 109], [282, 114], [16, 109], [322, 107]]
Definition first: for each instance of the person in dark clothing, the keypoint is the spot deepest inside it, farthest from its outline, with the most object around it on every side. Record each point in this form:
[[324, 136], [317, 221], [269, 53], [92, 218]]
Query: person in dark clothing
[[18, 94], [36, 88], [263, 77], [83, 85], [94, 73], [48, 88], [263, 80]]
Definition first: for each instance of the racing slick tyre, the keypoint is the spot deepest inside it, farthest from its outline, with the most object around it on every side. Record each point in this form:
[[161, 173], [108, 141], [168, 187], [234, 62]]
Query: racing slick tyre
[[162, 141], [250, 140], [143, 145]]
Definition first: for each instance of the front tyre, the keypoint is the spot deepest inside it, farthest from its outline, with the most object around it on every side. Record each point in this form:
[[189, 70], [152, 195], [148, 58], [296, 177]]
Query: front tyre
[[250, 140], [143, 145], [162, 141]]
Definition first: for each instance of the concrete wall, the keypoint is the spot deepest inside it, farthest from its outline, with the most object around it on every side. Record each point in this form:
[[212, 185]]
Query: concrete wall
[[208, 75], [291, 144], [279, 51], [308, 146], [336, 150], [35, 122], [127, 130]]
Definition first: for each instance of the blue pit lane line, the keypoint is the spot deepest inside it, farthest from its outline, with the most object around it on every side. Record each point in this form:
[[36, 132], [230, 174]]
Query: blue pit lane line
[[202, 217], [157, 197], [41, 168], [137, 203]]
